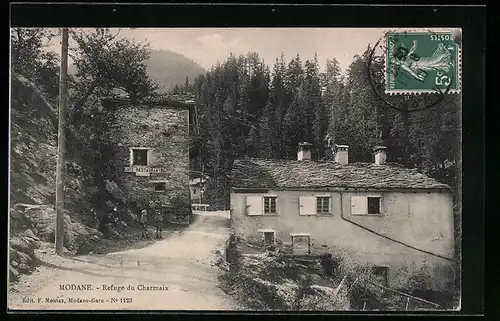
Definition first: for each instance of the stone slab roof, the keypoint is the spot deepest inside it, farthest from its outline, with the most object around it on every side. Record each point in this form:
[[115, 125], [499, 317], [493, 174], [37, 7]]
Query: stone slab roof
[[289, 174]]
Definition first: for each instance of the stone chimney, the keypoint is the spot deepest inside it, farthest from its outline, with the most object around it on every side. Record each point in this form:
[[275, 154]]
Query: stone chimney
[[342, 154], [304, 153], [380, 154]]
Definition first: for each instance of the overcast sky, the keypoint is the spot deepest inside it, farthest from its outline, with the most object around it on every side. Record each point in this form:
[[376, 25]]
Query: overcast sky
[[206, 46]]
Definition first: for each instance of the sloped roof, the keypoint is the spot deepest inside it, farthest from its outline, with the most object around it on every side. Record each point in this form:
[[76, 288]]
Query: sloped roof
[[267, 173]]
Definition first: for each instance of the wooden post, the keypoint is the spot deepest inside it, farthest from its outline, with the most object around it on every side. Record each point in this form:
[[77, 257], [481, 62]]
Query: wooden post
[[61, 149]]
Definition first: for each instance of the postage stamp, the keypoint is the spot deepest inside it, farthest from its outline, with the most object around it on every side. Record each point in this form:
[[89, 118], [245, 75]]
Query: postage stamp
[[422, 62]]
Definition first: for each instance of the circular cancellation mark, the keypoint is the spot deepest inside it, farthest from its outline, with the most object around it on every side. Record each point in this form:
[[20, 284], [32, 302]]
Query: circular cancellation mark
[[417, 64]]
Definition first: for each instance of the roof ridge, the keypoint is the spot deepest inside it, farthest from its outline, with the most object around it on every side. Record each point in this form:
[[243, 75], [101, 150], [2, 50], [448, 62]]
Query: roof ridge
[[389, 164], [265, 172]]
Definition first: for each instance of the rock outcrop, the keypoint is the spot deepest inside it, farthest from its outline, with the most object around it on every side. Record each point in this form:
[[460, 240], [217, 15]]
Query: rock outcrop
[[39, 224]]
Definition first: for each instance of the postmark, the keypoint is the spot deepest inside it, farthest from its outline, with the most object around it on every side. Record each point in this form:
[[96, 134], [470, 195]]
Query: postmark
[[421, 62]]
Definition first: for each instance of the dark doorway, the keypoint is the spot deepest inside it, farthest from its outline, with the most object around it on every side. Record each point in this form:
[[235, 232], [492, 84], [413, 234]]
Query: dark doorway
[[268, 238], [381, 275]]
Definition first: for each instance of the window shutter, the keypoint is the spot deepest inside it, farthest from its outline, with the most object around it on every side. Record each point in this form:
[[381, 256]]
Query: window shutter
[[254, 205], [150, 157], [359, 205], [307, 205], [131, 151]]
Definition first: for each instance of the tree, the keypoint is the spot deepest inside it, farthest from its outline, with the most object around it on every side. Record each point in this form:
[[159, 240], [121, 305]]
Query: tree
[[295, 128], [29, 58], [362, 115], [294, 75], [277, 107], [106, 63], [317, 117], [257, 88], [332, 88]]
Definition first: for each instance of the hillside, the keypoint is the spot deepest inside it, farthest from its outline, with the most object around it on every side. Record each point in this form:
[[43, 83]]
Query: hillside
[[169, 68], [33, 142], [33, 158]]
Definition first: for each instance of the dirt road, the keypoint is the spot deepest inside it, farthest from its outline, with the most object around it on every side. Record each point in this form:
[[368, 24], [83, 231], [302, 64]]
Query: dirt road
[[176, 273]]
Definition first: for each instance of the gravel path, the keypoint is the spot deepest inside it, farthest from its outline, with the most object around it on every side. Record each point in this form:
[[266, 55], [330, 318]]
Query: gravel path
[[172, 274]]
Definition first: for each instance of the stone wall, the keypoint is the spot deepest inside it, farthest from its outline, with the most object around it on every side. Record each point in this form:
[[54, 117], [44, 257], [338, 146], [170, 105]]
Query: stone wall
[[165, 130]]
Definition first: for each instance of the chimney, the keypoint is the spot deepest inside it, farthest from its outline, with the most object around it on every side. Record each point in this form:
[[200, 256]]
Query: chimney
[[380, 154], [304, 152], [342, 154]]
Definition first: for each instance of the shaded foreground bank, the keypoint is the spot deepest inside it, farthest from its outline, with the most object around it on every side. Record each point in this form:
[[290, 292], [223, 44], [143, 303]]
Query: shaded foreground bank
[[270, 278]]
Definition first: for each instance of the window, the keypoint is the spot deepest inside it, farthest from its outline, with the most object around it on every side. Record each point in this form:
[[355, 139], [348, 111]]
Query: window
[[323, 205], [160, 186], [366, 205], [139, 157], [373, 205], [381, 275], [261, 205], [194, 190], [269, 205], [314, 205]]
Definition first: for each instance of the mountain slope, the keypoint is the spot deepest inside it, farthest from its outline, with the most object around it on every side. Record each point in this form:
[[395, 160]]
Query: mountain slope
[[33, 145], [169, 68]]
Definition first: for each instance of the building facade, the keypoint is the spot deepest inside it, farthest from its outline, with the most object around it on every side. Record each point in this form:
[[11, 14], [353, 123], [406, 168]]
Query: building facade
[[394, 219], [150, 147], [197, 188]]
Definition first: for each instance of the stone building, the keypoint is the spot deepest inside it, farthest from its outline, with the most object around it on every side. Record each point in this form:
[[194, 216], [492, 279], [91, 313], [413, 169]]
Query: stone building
[[149, 150], [393, 219]]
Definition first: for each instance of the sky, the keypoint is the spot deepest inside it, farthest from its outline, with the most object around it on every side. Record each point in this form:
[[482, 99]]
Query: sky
[[206, 46]]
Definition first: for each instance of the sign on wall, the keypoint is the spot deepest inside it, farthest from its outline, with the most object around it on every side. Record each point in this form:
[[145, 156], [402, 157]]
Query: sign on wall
[[145, 169]]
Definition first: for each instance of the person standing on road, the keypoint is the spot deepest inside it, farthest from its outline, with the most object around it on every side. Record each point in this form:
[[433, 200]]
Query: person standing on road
[[158, 222], [106, 224], [144, 224]]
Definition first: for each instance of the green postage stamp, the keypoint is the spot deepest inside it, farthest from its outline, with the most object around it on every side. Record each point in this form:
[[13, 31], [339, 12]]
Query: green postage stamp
[[422, 62]]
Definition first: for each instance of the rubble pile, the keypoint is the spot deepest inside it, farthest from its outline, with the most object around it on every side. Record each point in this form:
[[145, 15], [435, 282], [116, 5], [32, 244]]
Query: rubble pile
[[22, 257], [272, 281], [38, 221]]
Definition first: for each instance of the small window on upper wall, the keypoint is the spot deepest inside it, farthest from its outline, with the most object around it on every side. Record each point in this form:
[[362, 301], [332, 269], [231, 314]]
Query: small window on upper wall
[[373, 205], [269, 205], [366, 205], [139, 156], [323, 205]]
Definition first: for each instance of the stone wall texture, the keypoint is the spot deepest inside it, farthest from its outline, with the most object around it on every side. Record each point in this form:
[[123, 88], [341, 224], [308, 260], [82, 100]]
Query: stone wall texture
[[165, 130]]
